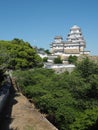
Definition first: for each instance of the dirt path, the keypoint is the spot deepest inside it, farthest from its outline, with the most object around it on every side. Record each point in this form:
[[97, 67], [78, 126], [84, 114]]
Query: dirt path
[[22, 115]]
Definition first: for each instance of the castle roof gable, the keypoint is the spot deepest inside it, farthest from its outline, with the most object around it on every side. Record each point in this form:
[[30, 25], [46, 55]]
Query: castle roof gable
[[75, 27]]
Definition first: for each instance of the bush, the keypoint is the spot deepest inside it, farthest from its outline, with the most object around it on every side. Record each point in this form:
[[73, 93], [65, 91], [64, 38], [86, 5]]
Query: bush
[[45, 59], [72, 59], [58, 60]]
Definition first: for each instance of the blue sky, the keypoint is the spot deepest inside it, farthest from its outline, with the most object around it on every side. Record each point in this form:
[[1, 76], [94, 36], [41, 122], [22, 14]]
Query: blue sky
[[39, 21]]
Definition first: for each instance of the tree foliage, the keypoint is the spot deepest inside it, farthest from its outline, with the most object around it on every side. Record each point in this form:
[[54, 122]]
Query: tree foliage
[[70, 100], [17, 54], [58, 60], [86, 68], [72, 59], [45, 59], [86, 120], [47, 51]]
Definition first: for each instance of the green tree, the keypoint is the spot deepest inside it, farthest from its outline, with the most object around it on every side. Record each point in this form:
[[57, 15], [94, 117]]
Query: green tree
[[87, 67], [4, 56], [47, 51], [45, 59], [72, 59], [68, 99], [19, 54], [58, 60], [86, 120], [92, 91]]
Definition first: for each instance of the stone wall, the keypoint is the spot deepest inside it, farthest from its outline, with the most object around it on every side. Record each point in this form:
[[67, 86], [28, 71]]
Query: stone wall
[[71, 51]]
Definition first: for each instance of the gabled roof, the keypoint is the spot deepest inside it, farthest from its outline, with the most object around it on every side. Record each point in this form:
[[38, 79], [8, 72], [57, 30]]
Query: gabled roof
[[75, 27], [58, 37]]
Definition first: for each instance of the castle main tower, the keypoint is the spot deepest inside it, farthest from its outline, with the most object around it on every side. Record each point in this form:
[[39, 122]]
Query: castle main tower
[[75, 36]]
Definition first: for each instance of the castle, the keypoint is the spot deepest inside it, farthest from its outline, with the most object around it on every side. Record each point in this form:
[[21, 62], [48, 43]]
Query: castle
[[74, 44]]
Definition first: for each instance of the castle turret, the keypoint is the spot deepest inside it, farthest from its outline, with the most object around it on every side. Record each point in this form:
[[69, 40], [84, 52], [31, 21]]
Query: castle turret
[[57, 45], [58, 39]]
